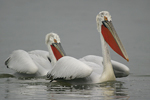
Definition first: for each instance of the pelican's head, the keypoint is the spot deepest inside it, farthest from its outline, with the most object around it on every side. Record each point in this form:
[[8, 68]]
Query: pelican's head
[[101, 17], [106, 28], [53, 43], [52, 38]]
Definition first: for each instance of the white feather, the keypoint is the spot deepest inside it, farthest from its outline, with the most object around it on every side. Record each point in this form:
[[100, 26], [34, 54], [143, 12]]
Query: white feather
[[70, 68], [34, 62], [40, 58], [89, 67], [96, 63]]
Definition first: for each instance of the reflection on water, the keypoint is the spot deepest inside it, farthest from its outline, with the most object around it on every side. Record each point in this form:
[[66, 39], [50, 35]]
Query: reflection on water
[[6, 75], [108, 90], [40, 89]]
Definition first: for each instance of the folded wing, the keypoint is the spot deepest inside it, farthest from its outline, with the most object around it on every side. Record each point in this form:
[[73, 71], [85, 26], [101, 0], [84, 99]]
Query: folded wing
[[69, 68], [21, 62]]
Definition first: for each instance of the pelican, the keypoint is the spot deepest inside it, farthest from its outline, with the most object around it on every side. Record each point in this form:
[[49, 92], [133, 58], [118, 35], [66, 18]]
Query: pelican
[[36, 62], [92, 68]]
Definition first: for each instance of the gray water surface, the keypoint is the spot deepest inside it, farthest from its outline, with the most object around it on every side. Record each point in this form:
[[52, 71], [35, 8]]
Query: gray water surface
[[24, 24]]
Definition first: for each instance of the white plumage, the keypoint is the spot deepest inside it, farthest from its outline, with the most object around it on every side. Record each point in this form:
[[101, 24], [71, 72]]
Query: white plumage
[[36, 62], [92, 68], [70, 68], [89, 67], [120, 70], [33, 62]]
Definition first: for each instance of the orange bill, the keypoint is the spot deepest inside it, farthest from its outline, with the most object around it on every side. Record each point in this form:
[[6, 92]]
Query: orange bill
[[57, 50], [112, 39]]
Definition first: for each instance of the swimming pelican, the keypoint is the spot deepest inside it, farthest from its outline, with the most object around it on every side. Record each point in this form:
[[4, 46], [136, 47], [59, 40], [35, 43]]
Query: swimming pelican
[[36, 62], [93, 68]]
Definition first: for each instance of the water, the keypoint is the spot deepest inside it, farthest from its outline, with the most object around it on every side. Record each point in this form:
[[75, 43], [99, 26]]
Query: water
[[24, 24], [41, 89]]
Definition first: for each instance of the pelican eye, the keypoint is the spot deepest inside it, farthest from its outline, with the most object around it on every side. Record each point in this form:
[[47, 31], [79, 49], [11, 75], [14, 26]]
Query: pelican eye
[[55, 40], [105, 18]]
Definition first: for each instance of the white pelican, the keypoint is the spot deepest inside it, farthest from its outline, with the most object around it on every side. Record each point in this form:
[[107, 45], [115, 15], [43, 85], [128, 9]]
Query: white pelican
[[36, 62], [91, 68]]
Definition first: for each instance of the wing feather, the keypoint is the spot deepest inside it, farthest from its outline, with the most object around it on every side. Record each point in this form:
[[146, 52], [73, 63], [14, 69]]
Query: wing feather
[[20, 61], [120, 69], [40, 58], [69, 68]]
